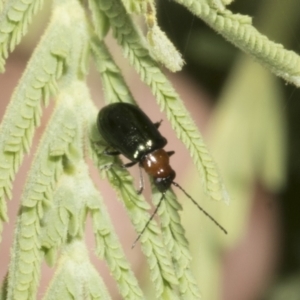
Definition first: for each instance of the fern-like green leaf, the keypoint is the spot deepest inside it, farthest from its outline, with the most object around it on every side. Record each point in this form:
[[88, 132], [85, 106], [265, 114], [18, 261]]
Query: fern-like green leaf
[[133, 6], [114, 86], [109, 248], [14, 19], [24, 269], [239, 30], [100, 20], [85, 197], [177, 244], [38, 82], [74, 268]]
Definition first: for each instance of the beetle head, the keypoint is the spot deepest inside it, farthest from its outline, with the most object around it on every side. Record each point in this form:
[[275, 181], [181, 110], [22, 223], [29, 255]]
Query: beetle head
[[164, 183]]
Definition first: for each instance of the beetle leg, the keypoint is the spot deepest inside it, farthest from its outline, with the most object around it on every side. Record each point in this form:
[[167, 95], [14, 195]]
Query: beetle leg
[[98, 146], [128, 165], [99, 143], [111, 152], [157, 124], [125, 166], [141, 187], [170, 153], [107, 166]]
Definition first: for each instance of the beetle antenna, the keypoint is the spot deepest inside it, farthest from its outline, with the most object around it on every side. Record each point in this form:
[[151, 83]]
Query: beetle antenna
[[151, 217], [204, 211]]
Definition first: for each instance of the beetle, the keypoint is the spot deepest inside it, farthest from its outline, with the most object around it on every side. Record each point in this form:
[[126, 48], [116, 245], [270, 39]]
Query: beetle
[[129, 131]]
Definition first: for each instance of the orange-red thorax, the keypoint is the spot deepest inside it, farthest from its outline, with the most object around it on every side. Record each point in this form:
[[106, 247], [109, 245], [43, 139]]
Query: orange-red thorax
[[156, 164]]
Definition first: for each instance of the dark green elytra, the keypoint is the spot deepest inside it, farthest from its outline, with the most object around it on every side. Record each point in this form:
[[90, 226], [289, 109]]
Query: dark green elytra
[[127, 129]]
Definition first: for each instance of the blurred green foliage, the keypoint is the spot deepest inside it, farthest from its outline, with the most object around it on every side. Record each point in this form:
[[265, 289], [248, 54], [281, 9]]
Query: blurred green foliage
[[210, 60]]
